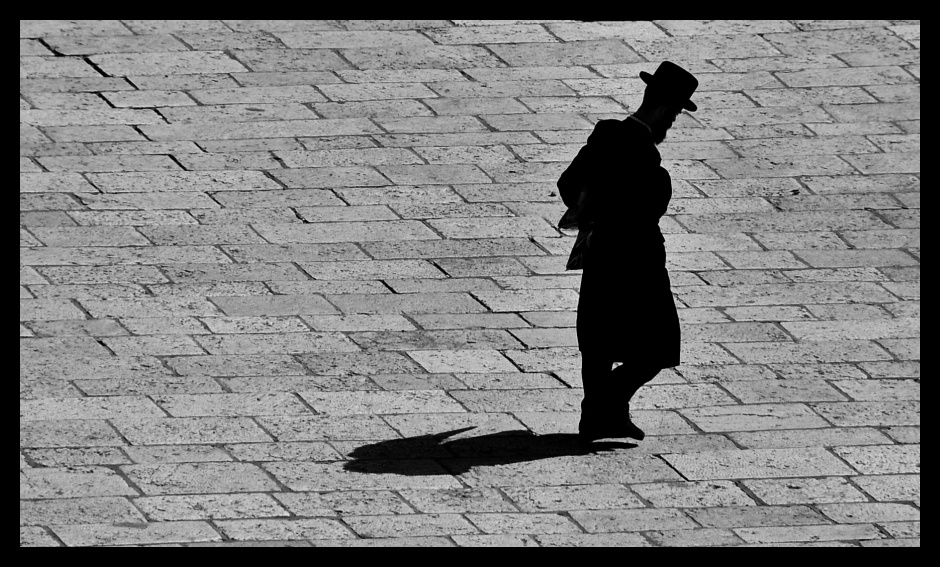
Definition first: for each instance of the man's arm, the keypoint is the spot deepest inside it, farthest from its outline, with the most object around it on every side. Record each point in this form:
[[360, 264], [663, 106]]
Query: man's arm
[[588, 164]]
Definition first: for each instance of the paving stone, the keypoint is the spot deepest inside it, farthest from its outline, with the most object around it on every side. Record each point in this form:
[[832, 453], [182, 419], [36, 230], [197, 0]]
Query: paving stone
[[892, 369], [902, 529], [406, 303], [272, 305], [233, 325], [83, 535], [305, 476], [760, 391], [847, 312], [494, 540], [236, 131], [694, 538], [756, 516], [230, 405], [358, 323], [410, 525], [818, 351], [69, 120], [904, 434], [753, 417], [888, 329], [804, 490], [882, 459], [879, 390], [266, 343], [401, 401], [206, 507], [182, 82], [237, 113], [294, 383], [890, 487], [143, 431], [835, 275], [153, 345], [87, 408], [815, 371], [475, 424], [134, 218], [320, 428], [809, 533], [187, 478], [252, 253], [592, 540], [79, 511], [344, 503], [61, 101], [143, 307], [48, 310], [68, 433], [693, 495], [567, 470], [451, 249], [807, 438], [439, 285], [768, 313], [476, 361], [346, 232], [836, 41], [870, 413], [166, 63], [869, 512], [600, 497], [507, 523], [79, 456], [417, 382], [757, 463], [53, 347], [72, 482], [74, 84], [632, 520], [167, 454], [258, 95], [435, 340], [455, 139]]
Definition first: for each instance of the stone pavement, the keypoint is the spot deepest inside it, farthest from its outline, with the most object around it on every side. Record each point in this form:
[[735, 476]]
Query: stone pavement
[[299, 283]]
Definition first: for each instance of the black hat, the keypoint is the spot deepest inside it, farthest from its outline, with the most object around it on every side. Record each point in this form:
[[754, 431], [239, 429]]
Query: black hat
[[674, 82]]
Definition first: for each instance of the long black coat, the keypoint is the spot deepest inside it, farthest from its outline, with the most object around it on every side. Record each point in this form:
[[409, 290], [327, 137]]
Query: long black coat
[[625, 310]]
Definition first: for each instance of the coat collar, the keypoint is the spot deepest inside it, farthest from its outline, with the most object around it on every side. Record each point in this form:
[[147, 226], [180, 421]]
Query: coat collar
[[644, 132], [645, 125]]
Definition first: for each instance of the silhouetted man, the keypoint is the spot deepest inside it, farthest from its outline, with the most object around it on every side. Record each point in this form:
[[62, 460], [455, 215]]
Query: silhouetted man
[[616, 191]]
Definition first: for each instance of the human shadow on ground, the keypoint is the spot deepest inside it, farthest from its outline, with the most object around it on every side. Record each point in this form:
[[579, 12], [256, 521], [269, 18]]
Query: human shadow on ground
[[424, 454]]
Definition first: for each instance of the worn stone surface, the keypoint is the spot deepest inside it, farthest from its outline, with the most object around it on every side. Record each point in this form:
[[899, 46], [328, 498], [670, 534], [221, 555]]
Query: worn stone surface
[[299, 283]]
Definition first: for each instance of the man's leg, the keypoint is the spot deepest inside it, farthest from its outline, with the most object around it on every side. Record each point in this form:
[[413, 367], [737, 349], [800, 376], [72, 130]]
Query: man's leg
[[630, 379], [625, 380], [604, 410], [595, 377]]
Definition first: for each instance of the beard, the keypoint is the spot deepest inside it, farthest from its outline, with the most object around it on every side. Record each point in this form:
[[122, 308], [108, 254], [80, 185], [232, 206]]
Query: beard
[[658, 131]]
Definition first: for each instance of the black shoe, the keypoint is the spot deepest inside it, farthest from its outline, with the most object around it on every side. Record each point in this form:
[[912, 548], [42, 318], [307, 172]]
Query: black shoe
[[603, 431]]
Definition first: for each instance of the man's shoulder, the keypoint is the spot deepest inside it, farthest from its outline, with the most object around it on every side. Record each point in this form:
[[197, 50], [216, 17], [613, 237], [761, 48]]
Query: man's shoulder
[[621, 130], [611, 125]]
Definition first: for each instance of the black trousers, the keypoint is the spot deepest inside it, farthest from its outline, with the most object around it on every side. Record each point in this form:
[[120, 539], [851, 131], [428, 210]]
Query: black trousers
[[607, 390]]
